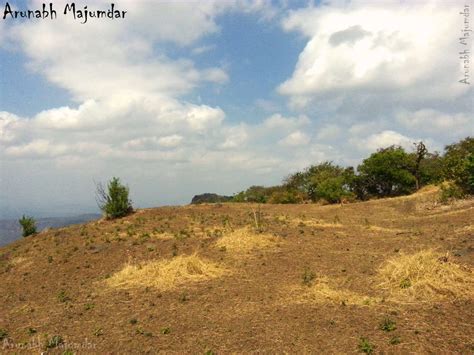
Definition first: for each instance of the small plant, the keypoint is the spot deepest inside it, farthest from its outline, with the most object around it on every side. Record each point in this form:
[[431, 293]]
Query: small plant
[[89, 306], [308, 277], [388, 325], [366, 346], [54, 342], [143, 332], [133, 321], [28, 224], [183, 298], [166, 330], [98, 332], [395, 340], [68, 352], [3, 334], [63, 297], [405, 283], [258, 218], [114, 202], [31, 331]]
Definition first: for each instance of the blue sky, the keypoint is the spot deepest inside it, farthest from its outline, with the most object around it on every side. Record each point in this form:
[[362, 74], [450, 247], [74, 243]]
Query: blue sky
[[181, 98]]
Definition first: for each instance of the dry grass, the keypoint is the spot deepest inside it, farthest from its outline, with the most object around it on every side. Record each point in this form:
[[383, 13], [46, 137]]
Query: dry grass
[[165, 274], [324, 291], [245, 239], [425, 276], [384, 229], [315, 223]]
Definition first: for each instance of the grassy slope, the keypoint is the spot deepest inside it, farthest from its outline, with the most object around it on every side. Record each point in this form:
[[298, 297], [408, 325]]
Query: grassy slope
[[61, 282]]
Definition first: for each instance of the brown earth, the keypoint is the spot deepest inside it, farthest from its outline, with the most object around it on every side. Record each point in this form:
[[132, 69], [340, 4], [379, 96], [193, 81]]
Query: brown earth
[[174, 280]]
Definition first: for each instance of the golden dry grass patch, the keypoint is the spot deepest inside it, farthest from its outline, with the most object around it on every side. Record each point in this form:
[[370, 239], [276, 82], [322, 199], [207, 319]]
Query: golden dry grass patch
[[315, 223], [245, 239], [21, 262], [166, 274], [324, 290], [425, 276]]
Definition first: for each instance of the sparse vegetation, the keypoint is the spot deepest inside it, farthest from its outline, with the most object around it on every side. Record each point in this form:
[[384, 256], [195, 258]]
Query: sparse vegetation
[[54, 341], [366, 346], [166, 330], [388, 325], [319, 270], [308, 277], [63, 297]]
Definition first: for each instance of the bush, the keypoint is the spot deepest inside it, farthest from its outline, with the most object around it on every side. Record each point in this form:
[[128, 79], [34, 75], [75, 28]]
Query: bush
[[28, 224], [283, 195], [451, 192], [114, 203]]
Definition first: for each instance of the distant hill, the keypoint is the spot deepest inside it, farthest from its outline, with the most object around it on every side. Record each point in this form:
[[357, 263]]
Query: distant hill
[[10, 229], [210, 198]]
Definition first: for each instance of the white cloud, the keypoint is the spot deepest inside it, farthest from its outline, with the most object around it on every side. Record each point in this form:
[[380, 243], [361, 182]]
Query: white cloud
[[404, 50], [296, 138], [329, 132], [277, 121], [202, 49], [435, 122], [235, 137], [385, 139]]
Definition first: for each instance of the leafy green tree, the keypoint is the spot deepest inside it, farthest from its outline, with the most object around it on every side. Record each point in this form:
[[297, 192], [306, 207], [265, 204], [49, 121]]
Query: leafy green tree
[[114, 202], [323, 181], [431, 169], [28, 224], [388, 172], [457, 163]]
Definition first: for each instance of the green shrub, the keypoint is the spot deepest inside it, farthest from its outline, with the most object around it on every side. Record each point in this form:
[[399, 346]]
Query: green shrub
[[283, 195], [451, 192], [458, 163], [114, 203], [366, 346], [28, 224]]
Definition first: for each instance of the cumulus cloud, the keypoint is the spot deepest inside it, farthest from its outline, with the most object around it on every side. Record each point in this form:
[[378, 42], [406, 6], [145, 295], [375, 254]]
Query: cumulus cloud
[[295, 139], [407, 50], [435, 122], [385, 139]]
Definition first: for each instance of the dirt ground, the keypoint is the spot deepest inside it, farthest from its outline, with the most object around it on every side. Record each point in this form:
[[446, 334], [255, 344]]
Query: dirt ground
[[58, 294]]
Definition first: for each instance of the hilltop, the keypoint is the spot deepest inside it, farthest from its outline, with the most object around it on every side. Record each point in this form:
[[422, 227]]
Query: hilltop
[[392, 275]]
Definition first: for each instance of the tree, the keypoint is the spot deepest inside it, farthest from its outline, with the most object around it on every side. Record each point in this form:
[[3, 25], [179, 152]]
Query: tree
[[114, 202], [388, 172], [323, 181], [28, 224], [420, 153], [457, 164]]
